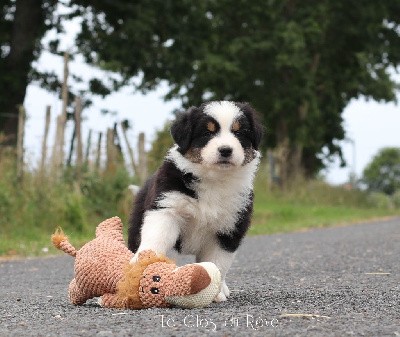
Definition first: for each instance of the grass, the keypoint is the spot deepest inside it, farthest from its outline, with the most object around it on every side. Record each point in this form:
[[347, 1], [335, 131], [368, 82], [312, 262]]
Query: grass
[[312, 204], [282, 213], [31, 210]]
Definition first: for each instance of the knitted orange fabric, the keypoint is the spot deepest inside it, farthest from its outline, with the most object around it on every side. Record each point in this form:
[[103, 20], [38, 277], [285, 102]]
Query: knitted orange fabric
[[99, 264], [102, 268]]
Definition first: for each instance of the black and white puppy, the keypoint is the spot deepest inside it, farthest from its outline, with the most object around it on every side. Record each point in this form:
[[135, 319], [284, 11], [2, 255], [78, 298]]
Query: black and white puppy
[[200, 200]]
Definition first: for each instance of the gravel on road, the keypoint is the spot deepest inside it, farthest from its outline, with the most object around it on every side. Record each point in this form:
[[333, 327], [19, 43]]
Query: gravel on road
[[342, 281]]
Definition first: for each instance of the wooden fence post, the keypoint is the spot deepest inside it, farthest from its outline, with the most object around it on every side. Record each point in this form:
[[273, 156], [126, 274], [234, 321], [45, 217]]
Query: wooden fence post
[[78, 120], [88, 146], [58, 148], [20, 142], [110, 150], [64, 95], [98, 152], [44, 142], [71, 147], [130, 151], [142, 162], [55, 154]]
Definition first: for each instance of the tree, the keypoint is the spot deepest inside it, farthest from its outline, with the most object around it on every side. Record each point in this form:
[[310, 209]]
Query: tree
[[22, 25], [382, 174], [298, 62]]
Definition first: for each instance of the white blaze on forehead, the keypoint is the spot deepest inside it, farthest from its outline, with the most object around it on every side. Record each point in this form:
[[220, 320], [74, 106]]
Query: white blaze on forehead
[[224, 112]]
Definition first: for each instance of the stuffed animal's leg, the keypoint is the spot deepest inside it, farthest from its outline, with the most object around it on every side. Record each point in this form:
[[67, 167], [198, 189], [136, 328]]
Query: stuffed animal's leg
[[223, 260], [76, 296], [160, 231]]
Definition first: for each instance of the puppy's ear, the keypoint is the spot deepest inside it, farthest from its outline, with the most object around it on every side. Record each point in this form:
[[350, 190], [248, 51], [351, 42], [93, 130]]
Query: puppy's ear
[[255, 123], [181, 129]]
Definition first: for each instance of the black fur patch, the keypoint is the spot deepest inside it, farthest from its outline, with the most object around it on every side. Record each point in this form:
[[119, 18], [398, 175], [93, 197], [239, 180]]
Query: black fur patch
[[231, 241], [178, 245], [191, 131], [245, 133], [167, 179], [255, 125]]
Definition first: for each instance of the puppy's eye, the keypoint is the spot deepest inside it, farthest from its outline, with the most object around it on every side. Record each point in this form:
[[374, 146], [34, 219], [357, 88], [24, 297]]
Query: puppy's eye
[[156, 278], [211, 127], [154, 290], [236, 126]]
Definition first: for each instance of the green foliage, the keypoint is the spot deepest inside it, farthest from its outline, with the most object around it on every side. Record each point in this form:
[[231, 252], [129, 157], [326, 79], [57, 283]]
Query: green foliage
[[312, 203], [103, 192], [32, 209], [74, 211], [159, 147], [396, 199], [380, 200], [382, 174], [298, 63]]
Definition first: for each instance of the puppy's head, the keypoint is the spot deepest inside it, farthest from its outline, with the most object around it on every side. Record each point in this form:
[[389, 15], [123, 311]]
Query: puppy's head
[[219, 134]]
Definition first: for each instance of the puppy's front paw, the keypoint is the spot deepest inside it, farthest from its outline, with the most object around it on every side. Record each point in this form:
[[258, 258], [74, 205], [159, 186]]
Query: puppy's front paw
[[225, 289], [220, 297], [223, 294]]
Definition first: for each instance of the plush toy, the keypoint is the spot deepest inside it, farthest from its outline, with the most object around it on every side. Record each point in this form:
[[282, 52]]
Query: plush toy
[[102, 268]]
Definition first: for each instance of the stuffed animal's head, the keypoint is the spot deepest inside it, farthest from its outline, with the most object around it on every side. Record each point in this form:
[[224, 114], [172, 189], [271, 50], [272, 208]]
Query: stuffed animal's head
[[155, 281]]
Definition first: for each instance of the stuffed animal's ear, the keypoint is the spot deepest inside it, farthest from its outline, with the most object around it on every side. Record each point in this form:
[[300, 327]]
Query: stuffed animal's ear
[[111, 227], [255, 123], [181, 129]]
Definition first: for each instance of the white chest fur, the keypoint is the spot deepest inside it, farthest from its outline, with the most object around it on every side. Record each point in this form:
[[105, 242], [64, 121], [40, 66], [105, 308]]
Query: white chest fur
[[221, 195], [214, 210]]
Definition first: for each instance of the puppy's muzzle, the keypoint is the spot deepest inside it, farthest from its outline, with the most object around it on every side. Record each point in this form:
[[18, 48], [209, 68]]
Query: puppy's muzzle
[[225, 151]]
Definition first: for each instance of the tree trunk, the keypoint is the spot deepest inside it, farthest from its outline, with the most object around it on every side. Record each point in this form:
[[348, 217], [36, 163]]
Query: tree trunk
[[26, 33], [44, 142], [289, 157]]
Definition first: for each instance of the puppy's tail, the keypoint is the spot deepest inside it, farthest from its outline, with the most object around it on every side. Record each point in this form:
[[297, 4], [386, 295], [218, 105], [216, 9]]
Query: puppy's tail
[[60, 241]]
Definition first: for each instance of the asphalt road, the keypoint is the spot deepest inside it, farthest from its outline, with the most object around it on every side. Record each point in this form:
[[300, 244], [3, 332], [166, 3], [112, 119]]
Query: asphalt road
[[329, 282]]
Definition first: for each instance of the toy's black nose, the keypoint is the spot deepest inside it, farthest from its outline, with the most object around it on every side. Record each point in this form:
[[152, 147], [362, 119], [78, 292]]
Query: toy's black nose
[[225, 151]]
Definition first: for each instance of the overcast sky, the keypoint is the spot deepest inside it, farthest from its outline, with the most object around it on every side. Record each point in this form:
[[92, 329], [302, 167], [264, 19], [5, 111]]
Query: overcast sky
[[369, 126]]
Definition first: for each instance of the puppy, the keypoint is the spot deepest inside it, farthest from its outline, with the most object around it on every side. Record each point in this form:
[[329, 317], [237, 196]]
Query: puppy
[[200, 200]]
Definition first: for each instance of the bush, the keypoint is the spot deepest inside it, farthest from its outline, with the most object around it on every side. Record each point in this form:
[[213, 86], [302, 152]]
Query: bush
[[383, 173], [31, 209], [380, 200], [104, 192], [74, 212], [396, 199]]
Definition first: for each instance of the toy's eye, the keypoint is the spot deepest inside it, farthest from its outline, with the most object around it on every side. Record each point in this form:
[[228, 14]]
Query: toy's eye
[[154, 290], [156, 278]]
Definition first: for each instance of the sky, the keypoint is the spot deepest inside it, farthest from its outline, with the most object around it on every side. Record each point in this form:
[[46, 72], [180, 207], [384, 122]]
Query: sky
[[369, 125]]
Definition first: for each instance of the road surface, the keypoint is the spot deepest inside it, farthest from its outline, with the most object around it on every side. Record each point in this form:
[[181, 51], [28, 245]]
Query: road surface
[[341, 281]]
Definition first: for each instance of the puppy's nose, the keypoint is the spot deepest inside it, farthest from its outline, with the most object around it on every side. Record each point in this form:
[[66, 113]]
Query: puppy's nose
[[225, 151]]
